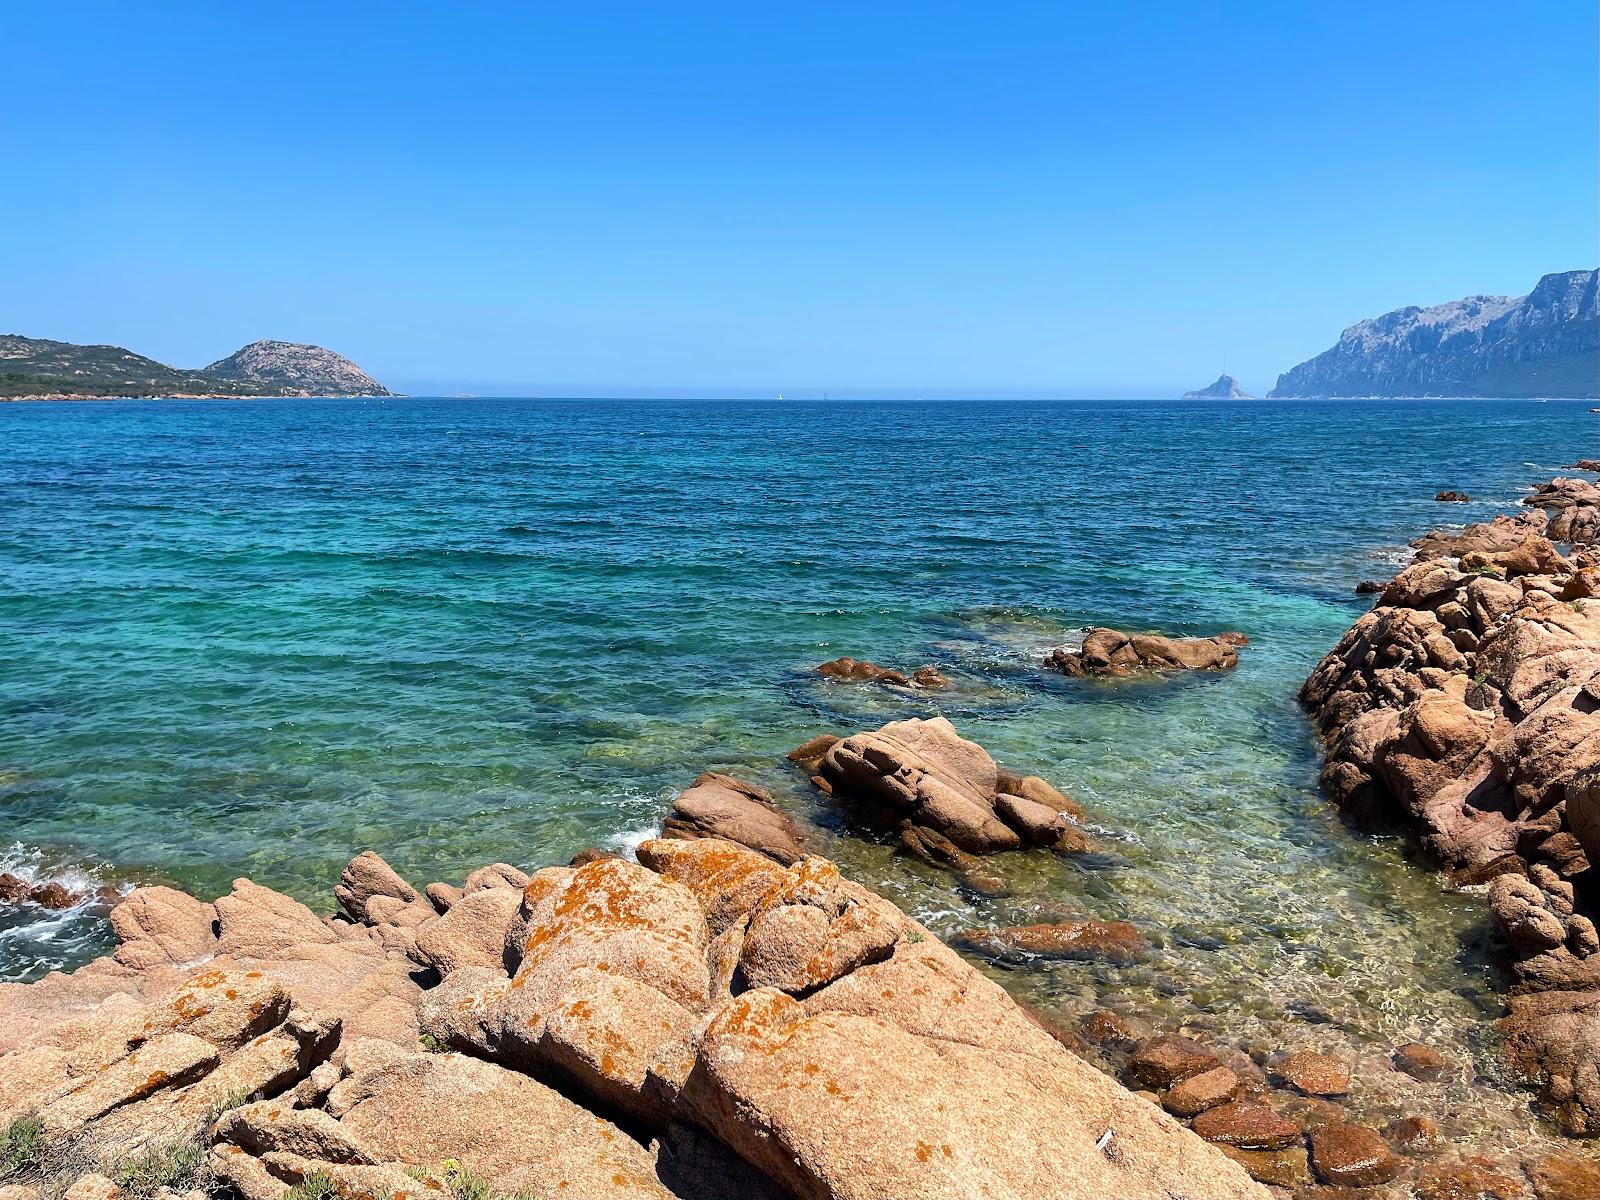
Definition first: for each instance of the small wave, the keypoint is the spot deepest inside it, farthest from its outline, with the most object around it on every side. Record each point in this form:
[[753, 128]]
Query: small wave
[[627, 842], [35, 869], [36, 938]]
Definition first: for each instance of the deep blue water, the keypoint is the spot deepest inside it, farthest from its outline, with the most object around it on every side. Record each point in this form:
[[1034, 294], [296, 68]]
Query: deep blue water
[[257, 637]]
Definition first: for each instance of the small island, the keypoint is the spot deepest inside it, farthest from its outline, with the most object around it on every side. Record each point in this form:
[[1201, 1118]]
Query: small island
[[1225, 388]]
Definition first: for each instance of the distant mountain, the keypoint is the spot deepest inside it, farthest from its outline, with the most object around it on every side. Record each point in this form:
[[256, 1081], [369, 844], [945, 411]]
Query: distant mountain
[[1225, 388], [39, 367], [1546, 343]]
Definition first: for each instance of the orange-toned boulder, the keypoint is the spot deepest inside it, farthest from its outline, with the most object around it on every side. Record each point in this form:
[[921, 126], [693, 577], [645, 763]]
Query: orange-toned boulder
[[723, 807], [772, 1031], [923, 775]]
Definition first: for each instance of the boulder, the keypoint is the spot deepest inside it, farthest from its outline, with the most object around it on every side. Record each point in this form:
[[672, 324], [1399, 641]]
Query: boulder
[[161, 925], [923, 777], [366, 876], [1453, 497], [471, 932], [723, 807], [505, 1128], [932, 1117]]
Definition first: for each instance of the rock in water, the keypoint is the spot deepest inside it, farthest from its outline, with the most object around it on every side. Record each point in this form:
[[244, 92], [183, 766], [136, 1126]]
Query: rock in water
[[294, 369], [1102, 941], [1113, 652], [922, 775], [1225, 388]]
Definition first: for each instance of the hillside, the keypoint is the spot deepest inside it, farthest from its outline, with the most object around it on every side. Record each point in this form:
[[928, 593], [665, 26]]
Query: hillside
[[1546, 343], [44, 368]]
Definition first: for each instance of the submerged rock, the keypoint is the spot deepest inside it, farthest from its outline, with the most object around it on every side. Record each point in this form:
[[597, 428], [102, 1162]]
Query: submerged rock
[[1160, 1062], [1315, 1074], [1196, 1094], [1111, 652], [1353, 1155], [1104, 941], [860, 671], [1248, 1125], [1422, 1062]]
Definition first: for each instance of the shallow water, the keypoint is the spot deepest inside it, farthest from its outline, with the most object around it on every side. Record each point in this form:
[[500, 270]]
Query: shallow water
[[257, 637]]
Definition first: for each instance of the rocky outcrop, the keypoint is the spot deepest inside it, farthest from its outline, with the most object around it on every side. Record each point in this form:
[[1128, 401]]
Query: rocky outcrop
[[293, 369], [1111, 652], [1464, 705], [1574, 508], [936, 789], [705, 1022], [1225, 388], [1546, 343]]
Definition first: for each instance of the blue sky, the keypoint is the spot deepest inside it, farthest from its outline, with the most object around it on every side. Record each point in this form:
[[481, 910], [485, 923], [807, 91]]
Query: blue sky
[[882, 199]]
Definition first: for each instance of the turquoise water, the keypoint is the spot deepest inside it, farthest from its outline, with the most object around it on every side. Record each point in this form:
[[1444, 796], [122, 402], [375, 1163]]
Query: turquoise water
[[257, 637]]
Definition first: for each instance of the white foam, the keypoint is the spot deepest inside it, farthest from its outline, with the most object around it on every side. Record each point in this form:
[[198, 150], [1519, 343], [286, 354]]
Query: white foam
[[627, 842]]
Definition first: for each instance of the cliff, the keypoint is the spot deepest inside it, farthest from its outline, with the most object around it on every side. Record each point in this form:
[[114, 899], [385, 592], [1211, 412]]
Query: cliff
[[1546, 343]]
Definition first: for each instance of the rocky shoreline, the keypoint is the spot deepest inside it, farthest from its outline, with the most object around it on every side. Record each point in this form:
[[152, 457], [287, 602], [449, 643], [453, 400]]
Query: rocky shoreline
[[1463, 707], [706, 1021]]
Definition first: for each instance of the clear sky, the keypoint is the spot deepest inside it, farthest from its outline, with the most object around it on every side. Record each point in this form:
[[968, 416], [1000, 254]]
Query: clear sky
[[1069, 199]]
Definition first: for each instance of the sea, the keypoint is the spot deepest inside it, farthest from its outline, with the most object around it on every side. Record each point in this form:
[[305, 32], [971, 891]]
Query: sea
[[253, 638]]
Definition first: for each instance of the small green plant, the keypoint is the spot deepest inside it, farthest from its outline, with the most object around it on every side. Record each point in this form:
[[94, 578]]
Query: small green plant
[[1481, 678], [226, 1104], [181, 1166], [21, 1147], [430, 1043], [464, 1184], [318, 1185]]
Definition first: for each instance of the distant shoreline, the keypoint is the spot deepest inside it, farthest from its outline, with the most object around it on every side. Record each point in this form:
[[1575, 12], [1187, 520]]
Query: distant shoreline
[[76, 397], [79, 397]]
